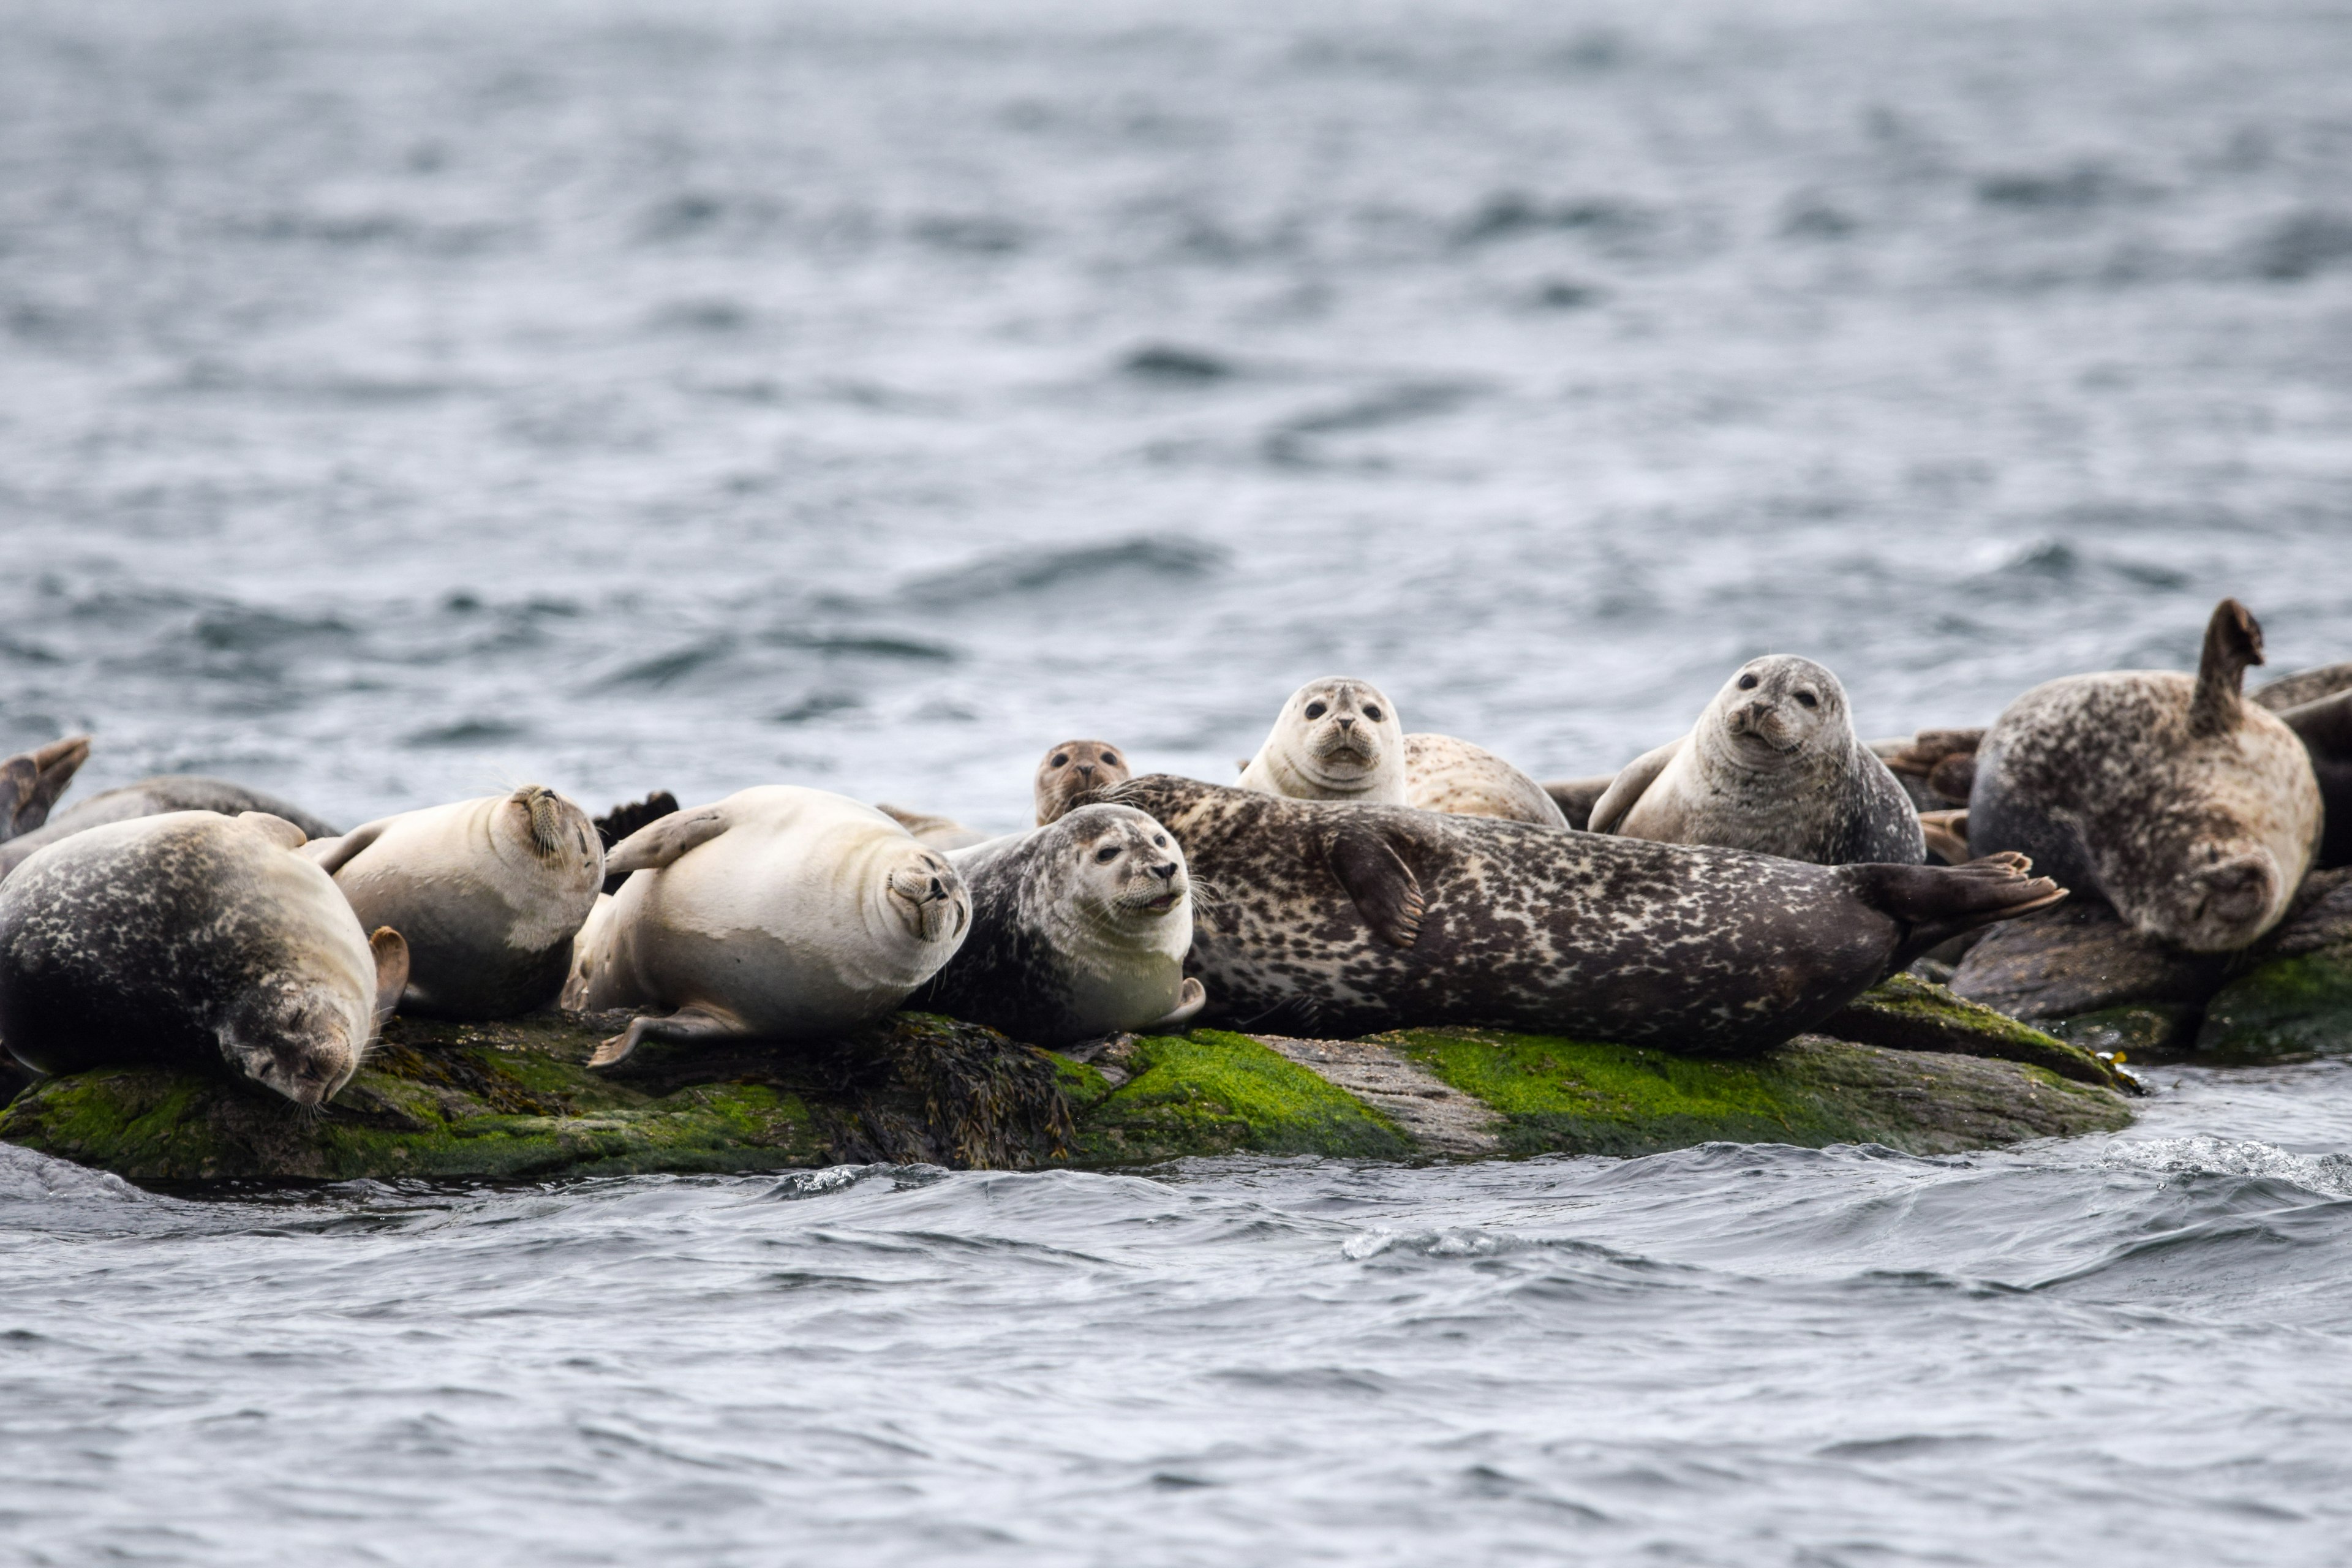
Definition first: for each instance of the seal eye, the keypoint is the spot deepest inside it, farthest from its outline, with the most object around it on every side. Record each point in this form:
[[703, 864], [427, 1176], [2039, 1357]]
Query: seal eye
[[1161, 839], [1316, 710], [1373, 714], [1111, 757], [1060, 760], [1748, 683], [1808, 700], [1107, 853]]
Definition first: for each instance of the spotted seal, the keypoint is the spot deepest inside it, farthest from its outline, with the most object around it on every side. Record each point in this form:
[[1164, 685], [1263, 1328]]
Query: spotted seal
[[188, 938], [1773, 765], [1079, 930], [777, 913], [1443, 774], [2191, 811], [152, 797], [1335, 739], [1340, 919], [1075, 773], [489, 892]]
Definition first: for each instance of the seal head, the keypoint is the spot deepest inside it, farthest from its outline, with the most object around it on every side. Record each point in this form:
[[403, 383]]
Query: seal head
[[1074, 772], [1336, 738]]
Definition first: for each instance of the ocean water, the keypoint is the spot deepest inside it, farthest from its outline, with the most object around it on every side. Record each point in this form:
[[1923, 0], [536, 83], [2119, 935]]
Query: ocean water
[[402, 402]]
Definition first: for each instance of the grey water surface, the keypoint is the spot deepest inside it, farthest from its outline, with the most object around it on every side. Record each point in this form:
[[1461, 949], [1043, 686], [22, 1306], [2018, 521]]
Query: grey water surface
[[400, 402]]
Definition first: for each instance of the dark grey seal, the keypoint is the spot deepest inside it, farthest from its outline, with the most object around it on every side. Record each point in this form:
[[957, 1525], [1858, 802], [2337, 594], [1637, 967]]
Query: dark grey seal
[[1340, 919], [1079, 930], [190, 938], [152, 797], [2193, 812]]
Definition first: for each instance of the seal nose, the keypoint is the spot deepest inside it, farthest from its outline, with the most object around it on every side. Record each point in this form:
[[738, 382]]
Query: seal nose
[[1346, 724], [1166, 872], [1756, 711], [937, 890], [1086, 770]]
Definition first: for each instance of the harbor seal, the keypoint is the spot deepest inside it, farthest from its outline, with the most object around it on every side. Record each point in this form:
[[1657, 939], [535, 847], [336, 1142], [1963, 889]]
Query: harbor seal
[[1443, 774], [186, 938], [2192, 812], [488, 892], [1773, 765], [152, 797], [942, 833], [30, 782], [1075, 773], [1577, 797], [1340, 920], [777, 913], [2325, 726], [1079, 930], [1336, 738]]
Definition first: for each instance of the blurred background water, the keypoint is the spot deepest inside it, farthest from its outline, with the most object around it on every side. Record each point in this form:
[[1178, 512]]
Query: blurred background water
[[397, 402]]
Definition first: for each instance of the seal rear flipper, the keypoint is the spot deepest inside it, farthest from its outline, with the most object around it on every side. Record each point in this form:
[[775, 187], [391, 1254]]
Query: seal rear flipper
[[2233, 640], [1190, 997], [30, 782], [658, 843], [1386, 892], [1626, 788], [391, 951], [1936, 903], [694, 1025], [1947, 832]]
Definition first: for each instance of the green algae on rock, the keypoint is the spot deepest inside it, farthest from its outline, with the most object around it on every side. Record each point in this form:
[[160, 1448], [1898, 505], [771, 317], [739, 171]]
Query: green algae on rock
[[1212, 1092], [1577, 1097], [2288, 1009], [1904, 1013]]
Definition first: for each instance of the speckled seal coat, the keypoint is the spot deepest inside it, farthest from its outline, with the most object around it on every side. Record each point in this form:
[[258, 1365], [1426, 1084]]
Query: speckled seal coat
[[152, 797], [489, 892], [1443, 774], [2193, 812], [1336, 918], [188, 938], [1079, 929], [1773, 765]]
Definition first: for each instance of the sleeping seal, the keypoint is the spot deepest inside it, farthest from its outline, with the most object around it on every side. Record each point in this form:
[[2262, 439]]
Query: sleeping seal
[[2193, 812], [185, 938], [1334, 740], [1443, 774], [777, 913], [488, 893], [1075, 773], [1773, 765], [1079, 930], [151, 798], [1340, 920]]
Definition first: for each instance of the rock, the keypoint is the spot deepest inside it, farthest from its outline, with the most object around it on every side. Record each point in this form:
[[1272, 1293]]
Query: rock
[[1904, 1012], [2146, 1030], [2078, 958], [514, 1099], [2287, 1009]]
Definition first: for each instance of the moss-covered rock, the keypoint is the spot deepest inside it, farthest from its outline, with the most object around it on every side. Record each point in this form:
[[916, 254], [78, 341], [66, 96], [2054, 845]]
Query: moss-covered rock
[[1216, 1093], [2151, 1031], [1904, 1013], [1577, 1097], [2287, 1009]]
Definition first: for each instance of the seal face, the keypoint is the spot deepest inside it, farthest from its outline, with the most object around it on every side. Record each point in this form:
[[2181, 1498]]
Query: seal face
[[1774, 766], [1336, 738], [1443, 774], [188, 938], [488, 893], [150, 797], [777, 913], [1074, 772], [1338, 920], [2192, 811], [1079, 929]]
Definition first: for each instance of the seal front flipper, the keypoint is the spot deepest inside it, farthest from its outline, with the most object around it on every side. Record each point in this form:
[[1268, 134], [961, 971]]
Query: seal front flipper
[[1386, 892], [331, 854], [2233, 640], [658, 843], [390, 950], [689, 1025], [1190, 997], [30, 782], [1936, 903], [1626, 788]]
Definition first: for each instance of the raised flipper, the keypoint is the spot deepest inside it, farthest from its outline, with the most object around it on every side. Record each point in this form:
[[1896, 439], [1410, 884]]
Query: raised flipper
[[391, 951], [279, 831], [1386, 892], [30, 782], [689, 1025], [1190, 997], [1947, 832], [1936, 903], [2233, 640], [657, 844], [1626, 788], [626, 819]]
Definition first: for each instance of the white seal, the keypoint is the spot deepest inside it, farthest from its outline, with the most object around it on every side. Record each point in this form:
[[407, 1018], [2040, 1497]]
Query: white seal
[[777, 913], [1336, 738], [489, 892]]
